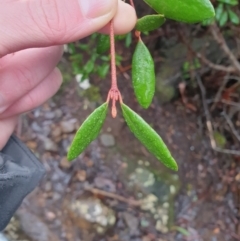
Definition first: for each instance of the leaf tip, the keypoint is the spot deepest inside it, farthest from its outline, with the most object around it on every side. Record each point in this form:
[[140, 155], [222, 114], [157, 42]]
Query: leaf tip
[[174, 165], [145, 105], [70, 156]]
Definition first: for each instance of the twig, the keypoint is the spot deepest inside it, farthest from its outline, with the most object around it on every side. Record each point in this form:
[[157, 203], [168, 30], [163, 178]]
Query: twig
[[209, 123], [114, 196], [221, 41], [219, 93], [234, 131], [228, 102], [215, 66], [207, 62]]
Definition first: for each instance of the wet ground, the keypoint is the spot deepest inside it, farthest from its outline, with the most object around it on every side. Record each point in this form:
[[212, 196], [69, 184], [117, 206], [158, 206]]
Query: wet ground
[[117, 191]]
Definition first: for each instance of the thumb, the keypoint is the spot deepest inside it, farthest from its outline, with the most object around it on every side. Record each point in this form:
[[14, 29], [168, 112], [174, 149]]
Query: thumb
[[42, 23]]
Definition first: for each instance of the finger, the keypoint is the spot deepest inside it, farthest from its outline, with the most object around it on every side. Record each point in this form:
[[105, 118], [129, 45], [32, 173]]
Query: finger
[[37, 96], [7, 127], [41, 23], [23, 71], [124, 20]]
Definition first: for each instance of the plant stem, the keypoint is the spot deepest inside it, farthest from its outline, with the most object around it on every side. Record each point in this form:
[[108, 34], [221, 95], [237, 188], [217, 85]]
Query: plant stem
[[113, 61], [114, 93]]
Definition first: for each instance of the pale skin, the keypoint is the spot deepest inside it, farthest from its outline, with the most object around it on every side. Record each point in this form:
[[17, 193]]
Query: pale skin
[[32, 33]]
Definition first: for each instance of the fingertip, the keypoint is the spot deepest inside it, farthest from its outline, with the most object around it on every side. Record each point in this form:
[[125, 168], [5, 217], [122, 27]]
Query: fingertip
[[124, 20], [8, 125], [58, 78]]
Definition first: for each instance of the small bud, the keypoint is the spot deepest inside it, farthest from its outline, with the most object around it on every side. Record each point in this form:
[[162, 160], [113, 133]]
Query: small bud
[[114, 111]]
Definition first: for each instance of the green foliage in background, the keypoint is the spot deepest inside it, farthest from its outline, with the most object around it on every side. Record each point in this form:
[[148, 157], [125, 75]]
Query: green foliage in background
[[226, 12], [98, 60]]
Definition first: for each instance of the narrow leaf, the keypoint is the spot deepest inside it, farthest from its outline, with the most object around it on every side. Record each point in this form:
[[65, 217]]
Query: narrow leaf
[[189, 11], [223, 19], [233, 17], [150, 22], [143, 75], [88, 131], [148, 137], [103, 44], [230, 2], [219, 11]]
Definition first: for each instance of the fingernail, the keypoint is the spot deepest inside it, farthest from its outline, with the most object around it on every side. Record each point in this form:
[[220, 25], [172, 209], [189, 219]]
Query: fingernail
[[96, 8]]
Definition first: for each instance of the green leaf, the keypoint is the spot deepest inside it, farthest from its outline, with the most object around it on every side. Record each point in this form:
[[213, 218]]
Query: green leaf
[[143, 75], [103, 70], [128, 39], [103, 44], [88, 131], [150, 22], [233, 17], [189, 11], [181, 230], [148, 137], [89, 66], [230, 2], [219, 11], [223, 19], [207, 22]]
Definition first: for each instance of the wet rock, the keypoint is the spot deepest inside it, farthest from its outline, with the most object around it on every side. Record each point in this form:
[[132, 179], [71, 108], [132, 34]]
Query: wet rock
[[49, 115], [32, 145], [104, 184], [64, 163], [48, 186], [3, 238], [13, 231], [144, 223], [161, 227], [142, 177], [48, 144], [132, 223], [93, 212], [50, 216], [237, 178], [149, 203], [81, 175], [56, 131], [68, 126], [35, 127], [58, 113], [34, 227], [107, 140]]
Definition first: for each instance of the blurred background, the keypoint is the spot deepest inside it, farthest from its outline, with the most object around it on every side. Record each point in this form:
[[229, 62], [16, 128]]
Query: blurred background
[[116, 190]]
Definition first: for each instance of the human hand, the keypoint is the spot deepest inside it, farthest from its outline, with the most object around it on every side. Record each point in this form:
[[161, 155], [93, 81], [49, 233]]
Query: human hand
[[31, 35]]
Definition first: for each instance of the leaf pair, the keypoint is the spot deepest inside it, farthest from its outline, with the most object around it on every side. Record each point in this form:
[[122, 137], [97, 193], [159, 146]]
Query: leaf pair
[[91, 127]]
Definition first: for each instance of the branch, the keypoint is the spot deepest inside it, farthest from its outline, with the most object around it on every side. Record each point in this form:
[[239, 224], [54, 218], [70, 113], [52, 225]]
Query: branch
[[209, 123], [219, 67], [207, 62], [130, 202], [221, 41], [234, 131]]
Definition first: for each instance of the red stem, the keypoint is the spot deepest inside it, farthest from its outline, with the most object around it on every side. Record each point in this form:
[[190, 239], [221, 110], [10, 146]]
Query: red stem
[[113, 94], [113, 61]]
